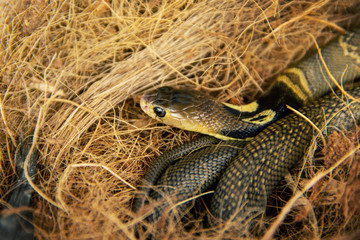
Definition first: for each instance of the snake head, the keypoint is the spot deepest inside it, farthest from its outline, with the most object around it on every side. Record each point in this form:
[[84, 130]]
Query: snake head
[[182, 108], [195, 111]]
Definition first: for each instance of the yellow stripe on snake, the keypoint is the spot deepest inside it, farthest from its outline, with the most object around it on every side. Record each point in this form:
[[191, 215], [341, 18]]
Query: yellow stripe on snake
[[244, 173]]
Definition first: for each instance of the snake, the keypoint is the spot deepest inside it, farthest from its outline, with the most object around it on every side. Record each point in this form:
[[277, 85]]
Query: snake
[[248, 149], [19, 224]]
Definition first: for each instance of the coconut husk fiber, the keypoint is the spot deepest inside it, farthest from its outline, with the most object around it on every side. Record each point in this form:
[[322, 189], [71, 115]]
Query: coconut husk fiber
[[72, 72]]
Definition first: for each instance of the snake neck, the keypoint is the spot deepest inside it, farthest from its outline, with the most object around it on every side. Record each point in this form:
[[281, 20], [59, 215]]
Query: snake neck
[[309, 79], [242, 122]]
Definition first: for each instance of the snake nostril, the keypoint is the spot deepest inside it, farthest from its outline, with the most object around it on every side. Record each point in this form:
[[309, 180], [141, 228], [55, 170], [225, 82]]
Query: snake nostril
[[143, 104], [145, 107]]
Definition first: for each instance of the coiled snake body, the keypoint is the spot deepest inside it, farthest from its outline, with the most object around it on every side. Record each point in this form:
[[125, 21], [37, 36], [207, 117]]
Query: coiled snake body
[[245, 173]]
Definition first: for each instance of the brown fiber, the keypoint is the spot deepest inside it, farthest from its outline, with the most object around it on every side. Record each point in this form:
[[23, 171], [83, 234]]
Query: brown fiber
[[73, 70]]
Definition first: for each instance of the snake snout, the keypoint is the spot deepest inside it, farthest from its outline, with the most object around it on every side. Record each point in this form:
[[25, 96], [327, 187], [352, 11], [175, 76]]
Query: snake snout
[[144, 103]]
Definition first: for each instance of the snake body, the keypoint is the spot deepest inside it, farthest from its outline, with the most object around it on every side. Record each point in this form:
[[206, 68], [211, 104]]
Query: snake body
[[249, 180], [245, 176]]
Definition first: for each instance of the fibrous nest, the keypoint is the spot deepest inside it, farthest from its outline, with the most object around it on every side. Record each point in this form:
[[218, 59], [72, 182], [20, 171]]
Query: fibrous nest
[[73, 70]]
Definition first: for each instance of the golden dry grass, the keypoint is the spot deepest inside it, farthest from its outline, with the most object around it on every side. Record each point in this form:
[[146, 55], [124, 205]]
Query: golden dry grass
[[73, 70]]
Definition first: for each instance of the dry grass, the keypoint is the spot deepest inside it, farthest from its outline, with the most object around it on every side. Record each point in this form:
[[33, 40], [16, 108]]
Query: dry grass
[[73, 70]]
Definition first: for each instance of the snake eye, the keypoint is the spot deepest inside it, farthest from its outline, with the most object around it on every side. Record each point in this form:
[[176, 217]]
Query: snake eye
[[160, 112]]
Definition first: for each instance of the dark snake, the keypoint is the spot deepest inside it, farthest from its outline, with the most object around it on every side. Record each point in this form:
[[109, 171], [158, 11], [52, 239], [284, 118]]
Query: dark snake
[[244, 173]]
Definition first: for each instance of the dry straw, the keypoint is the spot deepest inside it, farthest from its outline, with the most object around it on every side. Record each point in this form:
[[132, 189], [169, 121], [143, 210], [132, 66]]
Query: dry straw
[[73, 71]]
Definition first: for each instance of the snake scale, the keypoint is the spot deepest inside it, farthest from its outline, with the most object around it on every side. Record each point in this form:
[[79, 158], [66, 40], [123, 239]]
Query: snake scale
[[244, 173]]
